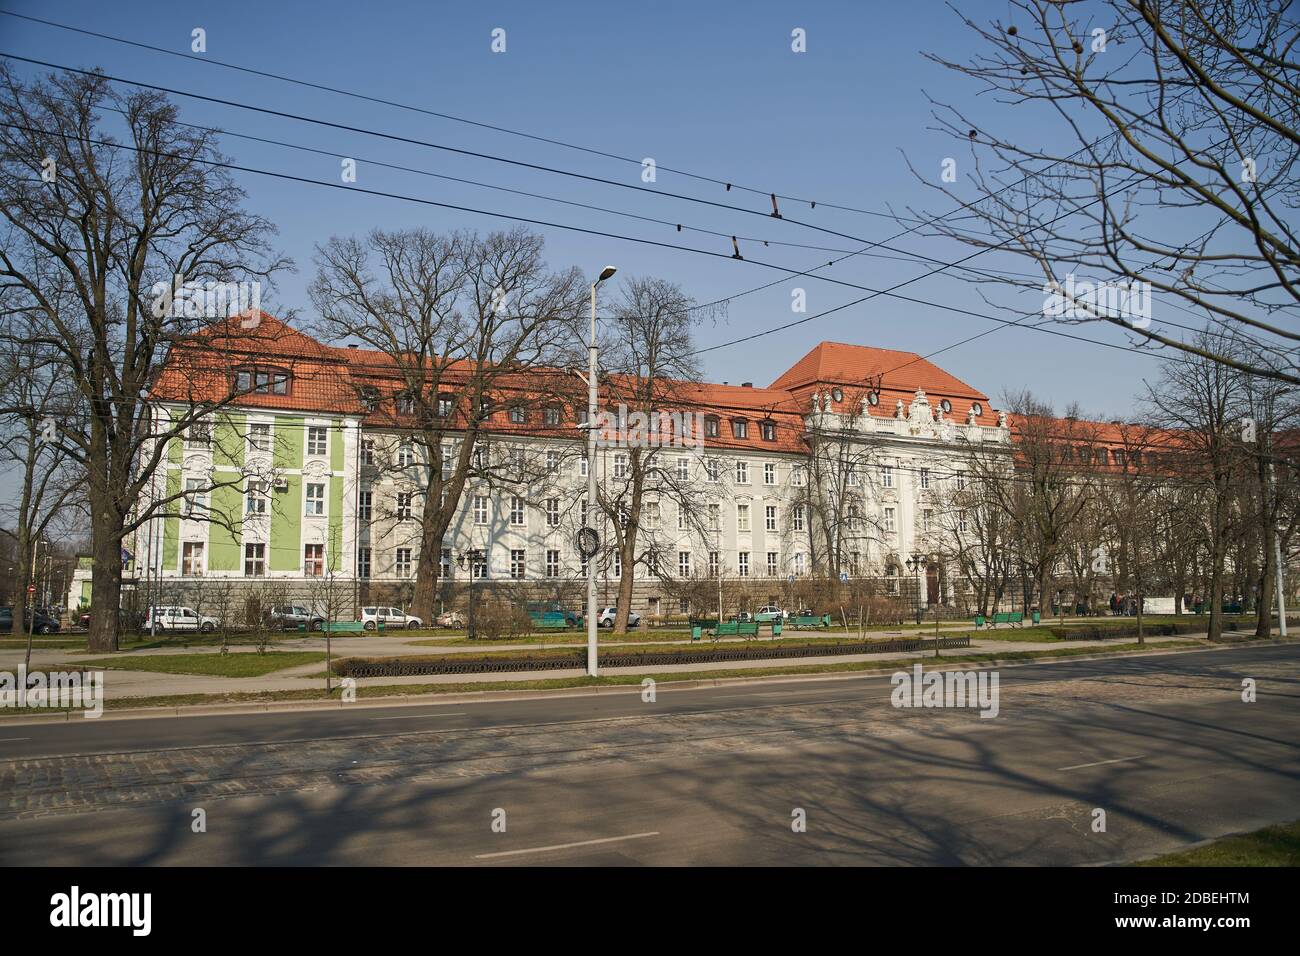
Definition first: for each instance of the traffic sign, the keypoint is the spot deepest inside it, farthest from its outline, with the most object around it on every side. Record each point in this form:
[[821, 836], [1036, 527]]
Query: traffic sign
[[31, 589], [844, 577]]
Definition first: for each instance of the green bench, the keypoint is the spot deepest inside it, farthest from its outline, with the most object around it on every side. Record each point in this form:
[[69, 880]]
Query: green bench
[[811, 620], [1011, 618], [343, 627], [730, 628], [549, 620]]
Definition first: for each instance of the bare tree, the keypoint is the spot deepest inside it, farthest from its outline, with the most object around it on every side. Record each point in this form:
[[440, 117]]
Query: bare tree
[[458, 321], [1191, 185], [93, 229]]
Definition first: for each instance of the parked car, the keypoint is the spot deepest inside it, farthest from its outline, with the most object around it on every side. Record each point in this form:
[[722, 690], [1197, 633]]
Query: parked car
[[770, 612], [391, 616], [450, 619], [40, 622], [178, 618], [607, 614], [126, 620], [289, 617]]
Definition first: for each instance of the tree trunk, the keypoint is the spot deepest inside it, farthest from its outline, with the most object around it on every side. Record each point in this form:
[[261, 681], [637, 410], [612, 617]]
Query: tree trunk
[[433, 529], [106, 582]]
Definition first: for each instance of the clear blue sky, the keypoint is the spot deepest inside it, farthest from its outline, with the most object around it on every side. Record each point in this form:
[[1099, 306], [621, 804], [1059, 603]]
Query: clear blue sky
[[709, 87]]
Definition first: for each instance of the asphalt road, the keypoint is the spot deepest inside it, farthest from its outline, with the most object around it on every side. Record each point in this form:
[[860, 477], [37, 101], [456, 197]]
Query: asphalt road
[[1164, 745]]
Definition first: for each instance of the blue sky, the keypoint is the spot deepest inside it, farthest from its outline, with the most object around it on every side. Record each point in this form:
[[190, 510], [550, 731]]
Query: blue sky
[[709, 87]]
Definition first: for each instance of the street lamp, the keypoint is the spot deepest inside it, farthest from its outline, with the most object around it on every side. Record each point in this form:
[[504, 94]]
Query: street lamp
[[471, 559], [919, 563], [588, 535]]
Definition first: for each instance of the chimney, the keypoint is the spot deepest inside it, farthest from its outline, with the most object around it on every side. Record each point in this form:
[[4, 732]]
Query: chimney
[[746, 384]]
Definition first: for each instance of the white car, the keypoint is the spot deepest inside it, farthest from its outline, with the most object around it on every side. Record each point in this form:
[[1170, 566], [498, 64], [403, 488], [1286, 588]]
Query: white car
[[391, 616], [176, 618], [770, 612], [607, 614]]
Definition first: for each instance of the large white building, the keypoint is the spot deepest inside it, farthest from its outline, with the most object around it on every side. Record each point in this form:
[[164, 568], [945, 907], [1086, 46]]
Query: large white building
[[306, 475]]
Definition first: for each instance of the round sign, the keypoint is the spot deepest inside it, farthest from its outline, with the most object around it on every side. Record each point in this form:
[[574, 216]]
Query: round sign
[[31, 589], [588, 542]]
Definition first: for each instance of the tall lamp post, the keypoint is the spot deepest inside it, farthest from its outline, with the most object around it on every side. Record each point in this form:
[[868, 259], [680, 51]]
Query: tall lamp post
[[472, 559], [587, 536], [919, 563]]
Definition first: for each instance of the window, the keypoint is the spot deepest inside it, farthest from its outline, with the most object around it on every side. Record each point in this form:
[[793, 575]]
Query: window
[[581, 415], [445, 403], [259, 436], [852, 477], [480, 509], [552, 512], [740, 428], [315, 499], [796, 476], [961, 521], [769, 474], [369, 396], [552, 462], [405, 456], [714, 513], [363, 562], [517, 563], [925, 478], [711, 426], [1117, 455], [552, 564], [683, 469], [265, 381], [516, 510], [444, 563], [977, 408], [365, 502], [889, 520], [192, 559], [198, 435], [800, 564], [478, 567], [961, 481], [446, 462], [684, 564], [742, 472], [742, 518], [195, 503], [927, 518], [742, 564], [404, 505], [887, 476], [652, 515], [714, 564], [317, 440], [768, 430], [772, 564], [368, 451], [254, 560], [255, 498], [551, 415], [402, 563], [712, 470], [405, 404], [769, 518], [518, 415], [681, 517], [620, 466], [313, 560], [797, 517]]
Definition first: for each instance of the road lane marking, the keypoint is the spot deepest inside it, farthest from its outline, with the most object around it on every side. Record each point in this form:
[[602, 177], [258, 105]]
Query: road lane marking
[[1100, 763], [459, 713], [565, 846], [5, 740]]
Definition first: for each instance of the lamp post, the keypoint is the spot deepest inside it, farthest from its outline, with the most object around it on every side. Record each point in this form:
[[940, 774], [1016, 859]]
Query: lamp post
[[592, 364], [471, 559], [919, 563]]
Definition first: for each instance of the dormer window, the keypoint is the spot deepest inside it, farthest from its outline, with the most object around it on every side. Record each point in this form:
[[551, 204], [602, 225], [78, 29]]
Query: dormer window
[[768, 430], [977, 408], [739, 428], [711, 426], [262, 380], [518, 415], [445, 403], [406, 404], [946, 406], [873, 398], [369, 397], [551, 415]]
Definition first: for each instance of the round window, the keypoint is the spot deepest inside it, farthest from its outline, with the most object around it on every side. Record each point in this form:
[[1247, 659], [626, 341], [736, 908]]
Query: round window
[[837, 394], [977, 408], [873, 398], [946, 405]]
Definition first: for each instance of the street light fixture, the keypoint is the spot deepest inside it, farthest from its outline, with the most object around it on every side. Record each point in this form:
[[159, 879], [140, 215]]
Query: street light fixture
[[921, 562], [472, 559], [592, 365]]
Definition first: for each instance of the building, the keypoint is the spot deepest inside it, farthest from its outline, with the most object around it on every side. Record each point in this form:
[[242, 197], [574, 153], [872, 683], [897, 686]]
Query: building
[[299, 483]]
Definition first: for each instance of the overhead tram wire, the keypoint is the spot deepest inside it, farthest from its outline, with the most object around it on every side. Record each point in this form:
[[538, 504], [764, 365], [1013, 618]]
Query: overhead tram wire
[[891, 292], [307, 84]]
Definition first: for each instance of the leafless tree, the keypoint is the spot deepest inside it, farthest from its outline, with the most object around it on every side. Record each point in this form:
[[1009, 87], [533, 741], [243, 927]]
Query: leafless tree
[[1180, 125]]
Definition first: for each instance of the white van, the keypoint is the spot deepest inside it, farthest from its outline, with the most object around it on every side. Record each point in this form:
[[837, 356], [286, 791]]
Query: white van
[[391, 616], [177, 618]]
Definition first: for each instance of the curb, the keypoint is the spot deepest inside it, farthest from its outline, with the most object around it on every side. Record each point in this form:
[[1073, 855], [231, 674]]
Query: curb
[[424, 700]]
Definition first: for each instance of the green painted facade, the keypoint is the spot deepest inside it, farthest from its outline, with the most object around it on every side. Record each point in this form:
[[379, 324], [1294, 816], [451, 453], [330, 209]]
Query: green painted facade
[[288, 442], [286, 523], [225, 551], [172, 524]]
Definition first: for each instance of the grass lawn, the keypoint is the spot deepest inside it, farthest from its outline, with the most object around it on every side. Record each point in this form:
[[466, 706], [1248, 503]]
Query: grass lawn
[[1272, 846], [207, 665]]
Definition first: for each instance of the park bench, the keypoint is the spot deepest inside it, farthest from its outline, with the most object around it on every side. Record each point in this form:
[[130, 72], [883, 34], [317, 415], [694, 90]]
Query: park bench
[[810, 620], [1010, 618], [730, 628], [549, 620]]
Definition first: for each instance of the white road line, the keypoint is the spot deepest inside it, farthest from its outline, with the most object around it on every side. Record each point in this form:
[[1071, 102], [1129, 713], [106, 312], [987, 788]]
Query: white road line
[[564, 846], [459, 713], [1100, 763], [5, 740]]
